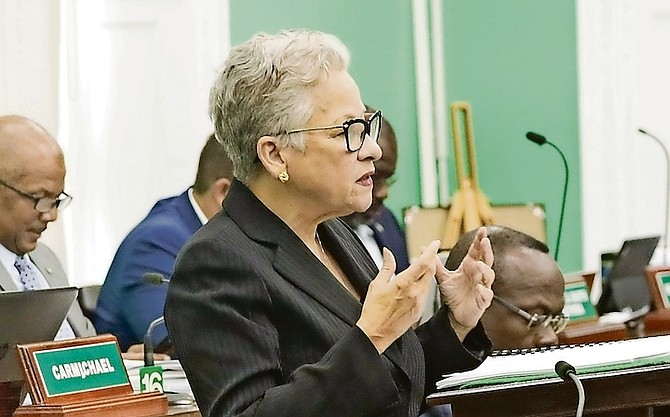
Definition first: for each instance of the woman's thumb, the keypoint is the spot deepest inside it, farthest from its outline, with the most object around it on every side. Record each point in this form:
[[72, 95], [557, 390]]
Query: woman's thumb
[[387, 270]]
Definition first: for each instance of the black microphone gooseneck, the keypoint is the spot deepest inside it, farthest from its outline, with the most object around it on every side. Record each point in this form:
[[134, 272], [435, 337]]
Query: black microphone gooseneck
[[667, 192], [149, 343], [567, 372], [154, 278], [541, 140]]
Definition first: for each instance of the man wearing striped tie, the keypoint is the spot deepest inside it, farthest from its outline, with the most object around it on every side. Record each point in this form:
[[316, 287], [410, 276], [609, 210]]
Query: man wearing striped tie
[[32, 178]]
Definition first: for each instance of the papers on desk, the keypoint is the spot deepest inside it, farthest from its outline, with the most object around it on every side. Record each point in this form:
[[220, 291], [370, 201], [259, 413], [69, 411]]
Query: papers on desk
[[538, 364], [174, 379]]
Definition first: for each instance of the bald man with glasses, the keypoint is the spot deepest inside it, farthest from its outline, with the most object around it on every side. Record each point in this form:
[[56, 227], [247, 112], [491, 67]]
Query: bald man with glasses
[[526, 311], [528, 298], [32, 178]]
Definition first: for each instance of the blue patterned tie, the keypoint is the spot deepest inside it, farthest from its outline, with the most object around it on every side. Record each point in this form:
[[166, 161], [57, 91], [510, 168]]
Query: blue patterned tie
[[27, 274], [30, 282]]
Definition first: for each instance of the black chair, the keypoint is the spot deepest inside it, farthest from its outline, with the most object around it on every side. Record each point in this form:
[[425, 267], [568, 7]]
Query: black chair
[[88, 299]]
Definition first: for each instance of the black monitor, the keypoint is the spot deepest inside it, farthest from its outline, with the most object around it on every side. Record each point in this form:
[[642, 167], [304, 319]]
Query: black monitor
[[626, 284], [28, 317]]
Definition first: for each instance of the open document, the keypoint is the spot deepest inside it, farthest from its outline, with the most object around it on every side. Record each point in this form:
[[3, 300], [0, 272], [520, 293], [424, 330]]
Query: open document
[[523, 365]]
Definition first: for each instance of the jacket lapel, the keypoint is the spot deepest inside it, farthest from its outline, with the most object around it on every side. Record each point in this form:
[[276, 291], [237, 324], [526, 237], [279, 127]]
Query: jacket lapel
[[359, 267], [49, 266], [293, 260], [188, 214], [6, 281], [296, 263]]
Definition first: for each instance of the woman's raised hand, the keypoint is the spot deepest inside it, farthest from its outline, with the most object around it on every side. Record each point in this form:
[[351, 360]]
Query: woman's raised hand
[[467, 290], [394, 304]]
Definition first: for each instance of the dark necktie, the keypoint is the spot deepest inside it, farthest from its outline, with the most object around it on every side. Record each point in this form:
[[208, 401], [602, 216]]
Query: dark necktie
[[26, 274]]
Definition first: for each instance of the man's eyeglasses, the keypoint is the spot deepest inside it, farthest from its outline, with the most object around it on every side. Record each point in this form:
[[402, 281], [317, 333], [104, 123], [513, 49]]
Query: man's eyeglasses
[[557, 322], [43, 204], [355, 130]]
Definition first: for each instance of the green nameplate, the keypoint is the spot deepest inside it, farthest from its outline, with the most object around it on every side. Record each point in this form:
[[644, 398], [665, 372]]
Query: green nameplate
[[77, 369], [577, 302], [663, 282]]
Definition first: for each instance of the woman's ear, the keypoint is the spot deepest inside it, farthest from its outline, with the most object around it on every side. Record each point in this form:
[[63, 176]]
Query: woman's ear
[[270, 155]]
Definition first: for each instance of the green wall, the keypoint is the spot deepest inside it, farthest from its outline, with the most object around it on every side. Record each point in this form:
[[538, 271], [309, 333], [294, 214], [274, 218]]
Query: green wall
[[514, 61], [379, 35]]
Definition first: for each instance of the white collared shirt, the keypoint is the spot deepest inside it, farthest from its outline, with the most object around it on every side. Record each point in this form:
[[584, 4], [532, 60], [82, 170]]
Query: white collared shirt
[[8, 257], [196, 207], [366, 235]]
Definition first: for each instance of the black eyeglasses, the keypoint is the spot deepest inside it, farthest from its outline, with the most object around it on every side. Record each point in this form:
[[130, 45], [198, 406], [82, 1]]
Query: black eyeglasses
[[556, 322], [355, 130], [43, 204]]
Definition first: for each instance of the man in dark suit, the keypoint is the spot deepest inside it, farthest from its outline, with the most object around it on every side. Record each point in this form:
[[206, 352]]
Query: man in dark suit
[[529, 288], [377, 227], [32, 177], [127, 305]]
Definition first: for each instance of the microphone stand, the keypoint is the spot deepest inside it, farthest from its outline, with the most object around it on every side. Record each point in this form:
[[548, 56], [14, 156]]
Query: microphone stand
[[541, 140], [565, 194], [567, 372], [580, 393], [667, 193], [148, 342]]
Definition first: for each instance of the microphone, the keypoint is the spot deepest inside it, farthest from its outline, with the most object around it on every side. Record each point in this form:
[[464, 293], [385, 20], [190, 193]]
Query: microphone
[[148, 341], [567, 372], [564, 369], [155, 278], [537, 138], [541, 140], [667, 193]]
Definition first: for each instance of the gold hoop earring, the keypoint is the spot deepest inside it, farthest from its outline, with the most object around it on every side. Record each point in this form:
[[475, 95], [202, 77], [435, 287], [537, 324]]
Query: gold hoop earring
[[283, 177]]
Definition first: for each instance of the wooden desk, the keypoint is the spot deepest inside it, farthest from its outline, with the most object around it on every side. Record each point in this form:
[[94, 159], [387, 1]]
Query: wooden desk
[[591, 332], [10, 395], [183, 411], [642, 392], [657, 322]]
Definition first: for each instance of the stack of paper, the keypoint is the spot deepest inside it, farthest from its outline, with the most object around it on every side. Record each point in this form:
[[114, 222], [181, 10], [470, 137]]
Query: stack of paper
[[174, 379], [585, 358]]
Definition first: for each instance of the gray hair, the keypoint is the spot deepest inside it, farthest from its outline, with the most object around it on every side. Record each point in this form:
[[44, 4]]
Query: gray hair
[[264, 89]]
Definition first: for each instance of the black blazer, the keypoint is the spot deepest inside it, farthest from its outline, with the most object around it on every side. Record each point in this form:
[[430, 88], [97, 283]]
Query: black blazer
[[262, 328]]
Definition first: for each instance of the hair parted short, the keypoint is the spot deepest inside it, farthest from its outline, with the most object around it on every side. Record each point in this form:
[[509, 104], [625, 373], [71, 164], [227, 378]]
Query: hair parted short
[[264, 89]]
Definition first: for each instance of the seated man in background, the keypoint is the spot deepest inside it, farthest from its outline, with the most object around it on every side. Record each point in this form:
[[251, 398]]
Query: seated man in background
[[32, 179], [529, 290], [377, 227], [528, 294], [127, 304]]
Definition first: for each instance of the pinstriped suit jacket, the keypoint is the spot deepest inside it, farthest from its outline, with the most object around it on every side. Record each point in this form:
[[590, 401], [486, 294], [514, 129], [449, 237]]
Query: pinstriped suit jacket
[[262, 328], [49, 265]]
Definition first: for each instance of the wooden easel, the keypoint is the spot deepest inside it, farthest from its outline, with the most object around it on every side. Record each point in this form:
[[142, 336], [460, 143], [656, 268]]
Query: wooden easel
[[469, 206]]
